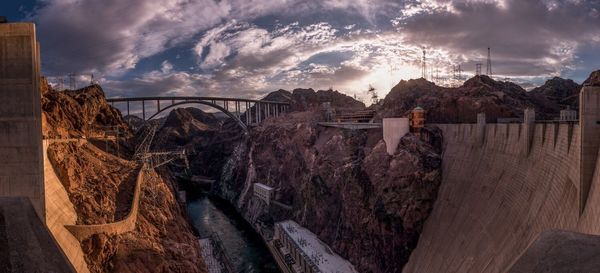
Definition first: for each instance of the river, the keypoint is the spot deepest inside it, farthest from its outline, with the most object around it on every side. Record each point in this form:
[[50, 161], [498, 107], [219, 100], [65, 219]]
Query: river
[[243, 245]]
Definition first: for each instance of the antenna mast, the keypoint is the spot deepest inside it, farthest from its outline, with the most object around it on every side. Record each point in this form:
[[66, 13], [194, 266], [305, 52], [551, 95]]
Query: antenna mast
[[424, 65], [489, 63]]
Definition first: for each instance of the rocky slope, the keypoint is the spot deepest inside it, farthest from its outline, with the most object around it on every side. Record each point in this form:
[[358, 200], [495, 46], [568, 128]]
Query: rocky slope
[[100, 185], [303, 99], [478, 94], [558, 92], [77, 113]]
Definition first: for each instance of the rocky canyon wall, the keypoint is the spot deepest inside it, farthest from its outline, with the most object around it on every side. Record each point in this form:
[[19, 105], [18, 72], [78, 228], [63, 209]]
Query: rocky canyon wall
[[342, 185]]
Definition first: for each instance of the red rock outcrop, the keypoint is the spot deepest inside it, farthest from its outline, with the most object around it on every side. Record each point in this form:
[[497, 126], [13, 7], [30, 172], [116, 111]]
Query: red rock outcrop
[[77, 113], [100, 185], [462, 104]]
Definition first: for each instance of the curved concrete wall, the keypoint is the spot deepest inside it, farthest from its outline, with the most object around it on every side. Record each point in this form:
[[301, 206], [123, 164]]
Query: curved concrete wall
[[499, 193], [82, 232], [60, 212]]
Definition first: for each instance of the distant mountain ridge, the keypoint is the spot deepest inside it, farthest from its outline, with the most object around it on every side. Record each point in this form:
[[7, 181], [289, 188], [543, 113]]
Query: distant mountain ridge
[[481, 94]]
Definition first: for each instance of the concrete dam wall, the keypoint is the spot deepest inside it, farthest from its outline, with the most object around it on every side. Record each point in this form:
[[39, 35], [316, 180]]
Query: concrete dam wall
[[503, 184]]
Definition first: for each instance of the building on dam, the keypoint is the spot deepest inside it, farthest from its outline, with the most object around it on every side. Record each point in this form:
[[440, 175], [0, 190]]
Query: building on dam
[[300, 251]]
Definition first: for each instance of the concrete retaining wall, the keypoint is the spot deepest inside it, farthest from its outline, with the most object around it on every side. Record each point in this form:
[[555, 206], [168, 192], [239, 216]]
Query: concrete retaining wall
[[82, 232], [497, 196], [61, 217], [60, 212]]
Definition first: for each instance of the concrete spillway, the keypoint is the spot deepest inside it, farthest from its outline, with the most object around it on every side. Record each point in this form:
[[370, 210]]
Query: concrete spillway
[[503, 184]]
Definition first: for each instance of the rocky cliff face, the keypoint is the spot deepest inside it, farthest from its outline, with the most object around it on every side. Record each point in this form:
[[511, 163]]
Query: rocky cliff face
[[593, 79], [77, 113], [378, 202], [100, 185], [342, 185]]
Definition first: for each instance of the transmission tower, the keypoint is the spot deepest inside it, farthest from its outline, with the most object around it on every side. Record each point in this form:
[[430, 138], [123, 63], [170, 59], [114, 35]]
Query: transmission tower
[[457, 72], [424, 65], [489, 63], [373, 93], [478, 69], [61, 83], [72, 83], [144, 146], [154, 159]]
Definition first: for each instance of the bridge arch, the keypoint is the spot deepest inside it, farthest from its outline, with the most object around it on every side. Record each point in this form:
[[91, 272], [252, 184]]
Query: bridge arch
[[213, 105]]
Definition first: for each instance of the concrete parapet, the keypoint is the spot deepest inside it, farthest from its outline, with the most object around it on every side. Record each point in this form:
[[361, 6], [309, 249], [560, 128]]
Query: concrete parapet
[[393, 130], [82, 232], [351, 125]]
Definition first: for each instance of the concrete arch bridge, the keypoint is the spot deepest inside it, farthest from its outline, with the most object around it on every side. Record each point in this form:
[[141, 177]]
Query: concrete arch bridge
[[245, 112]]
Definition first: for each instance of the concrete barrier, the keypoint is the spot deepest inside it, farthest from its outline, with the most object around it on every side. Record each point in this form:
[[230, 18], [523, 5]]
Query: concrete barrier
[[393, 130]]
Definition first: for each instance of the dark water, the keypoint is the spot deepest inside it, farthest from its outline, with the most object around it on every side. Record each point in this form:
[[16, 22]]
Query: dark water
[[244, 247]]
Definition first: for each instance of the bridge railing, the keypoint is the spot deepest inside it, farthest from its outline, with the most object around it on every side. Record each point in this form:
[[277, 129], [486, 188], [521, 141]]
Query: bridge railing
[[245, 111]]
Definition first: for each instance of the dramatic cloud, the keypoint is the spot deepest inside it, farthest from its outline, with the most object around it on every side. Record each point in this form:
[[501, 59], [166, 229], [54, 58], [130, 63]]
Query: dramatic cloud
[[112, 36], [528, 38], [250, 47]]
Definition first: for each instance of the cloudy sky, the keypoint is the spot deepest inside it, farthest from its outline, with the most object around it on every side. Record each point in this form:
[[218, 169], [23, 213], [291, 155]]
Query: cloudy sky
[[250, 47]]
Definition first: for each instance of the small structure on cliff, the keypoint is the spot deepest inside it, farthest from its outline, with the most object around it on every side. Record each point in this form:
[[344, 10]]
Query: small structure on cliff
[[417, 120], [299, 250], [568, 114], [263, 192]]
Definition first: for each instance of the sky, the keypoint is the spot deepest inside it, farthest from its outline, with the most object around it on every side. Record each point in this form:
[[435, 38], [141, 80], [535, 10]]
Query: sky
[[247, 48]]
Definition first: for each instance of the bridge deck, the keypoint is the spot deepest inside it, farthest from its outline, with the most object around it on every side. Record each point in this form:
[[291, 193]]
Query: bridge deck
[[171, 98]]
